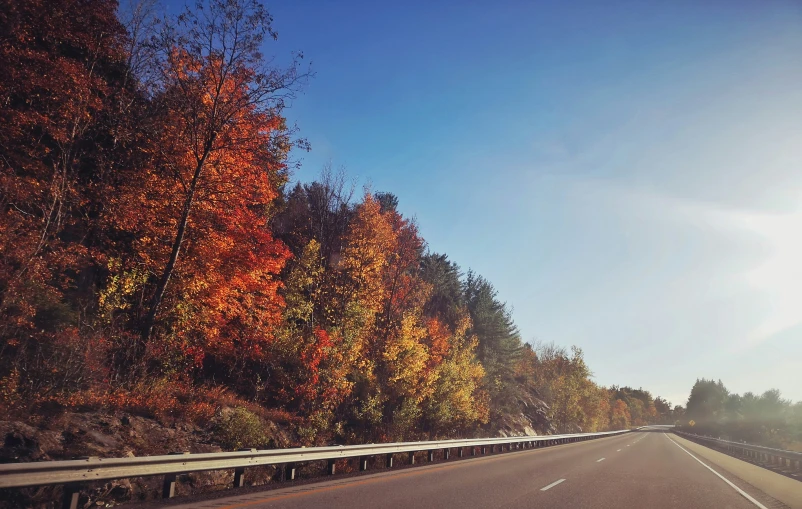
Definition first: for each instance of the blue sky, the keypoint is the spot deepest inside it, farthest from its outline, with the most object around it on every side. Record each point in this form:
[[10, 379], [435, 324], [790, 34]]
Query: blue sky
[[627, 174]]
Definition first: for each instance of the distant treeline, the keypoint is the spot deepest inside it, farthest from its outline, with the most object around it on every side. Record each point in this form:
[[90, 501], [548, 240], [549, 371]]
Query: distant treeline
[[764, 419]]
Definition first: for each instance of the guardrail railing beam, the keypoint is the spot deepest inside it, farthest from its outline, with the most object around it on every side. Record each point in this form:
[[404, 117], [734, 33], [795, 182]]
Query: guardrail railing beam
[[758, 453], [73, 474]]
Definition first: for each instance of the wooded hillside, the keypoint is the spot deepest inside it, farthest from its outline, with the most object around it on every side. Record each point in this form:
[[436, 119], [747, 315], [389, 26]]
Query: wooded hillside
[[154, 258]]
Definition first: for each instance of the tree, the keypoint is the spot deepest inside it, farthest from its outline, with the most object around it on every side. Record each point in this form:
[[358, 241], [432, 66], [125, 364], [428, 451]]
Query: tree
[[220, 103], [446, 299], [492, 324], [706, 403], [388, 201], [619, 415], [663, 411], [458, 400], [63, 66]]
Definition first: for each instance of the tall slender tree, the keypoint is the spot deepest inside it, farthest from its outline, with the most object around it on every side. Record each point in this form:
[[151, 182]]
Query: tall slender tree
[[212, 80]]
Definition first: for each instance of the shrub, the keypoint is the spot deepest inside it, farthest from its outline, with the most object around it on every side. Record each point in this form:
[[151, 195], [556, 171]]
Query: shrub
[[240, 428]]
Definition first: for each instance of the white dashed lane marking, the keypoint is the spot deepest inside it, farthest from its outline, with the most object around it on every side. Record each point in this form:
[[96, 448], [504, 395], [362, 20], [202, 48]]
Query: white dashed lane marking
[[555, 483]]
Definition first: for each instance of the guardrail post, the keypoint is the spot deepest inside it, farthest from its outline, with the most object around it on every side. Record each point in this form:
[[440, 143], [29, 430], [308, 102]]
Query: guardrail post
[[289, 472], [331, 467], [239, 473], [446, 453], [431, 455], [412, 458], [473, 451], [363, 463], [168, 488], [460, 452], [484, 449], [239, 477], [69, 499], [389, 462]]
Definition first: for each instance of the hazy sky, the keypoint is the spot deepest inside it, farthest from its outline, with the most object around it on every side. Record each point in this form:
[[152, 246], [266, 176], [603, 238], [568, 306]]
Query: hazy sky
[[627, 174]]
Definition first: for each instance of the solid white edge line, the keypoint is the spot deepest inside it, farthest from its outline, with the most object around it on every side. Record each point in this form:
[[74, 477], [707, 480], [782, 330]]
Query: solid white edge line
[[555, 483], [736, 488], [600, 459]]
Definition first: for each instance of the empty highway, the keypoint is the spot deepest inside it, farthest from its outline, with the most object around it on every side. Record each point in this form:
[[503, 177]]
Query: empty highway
[[637, 470]]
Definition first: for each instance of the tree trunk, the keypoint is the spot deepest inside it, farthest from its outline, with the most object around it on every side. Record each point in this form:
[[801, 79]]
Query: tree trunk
[[150, 319]]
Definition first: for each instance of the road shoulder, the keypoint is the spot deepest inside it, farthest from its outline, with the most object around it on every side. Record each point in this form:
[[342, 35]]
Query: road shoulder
[[780, 487]]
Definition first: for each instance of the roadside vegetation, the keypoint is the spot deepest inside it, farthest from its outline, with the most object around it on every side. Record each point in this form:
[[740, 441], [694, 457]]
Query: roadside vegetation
[[761, 419]]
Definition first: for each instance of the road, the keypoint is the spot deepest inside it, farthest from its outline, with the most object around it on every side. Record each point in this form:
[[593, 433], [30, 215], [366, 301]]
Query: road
[[653, 470]]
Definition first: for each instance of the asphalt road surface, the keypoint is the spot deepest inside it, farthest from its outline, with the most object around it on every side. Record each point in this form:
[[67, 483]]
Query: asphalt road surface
[[650, 470]]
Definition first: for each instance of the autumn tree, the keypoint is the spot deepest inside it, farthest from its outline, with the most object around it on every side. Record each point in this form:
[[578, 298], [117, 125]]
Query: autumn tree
[[320, 210], [458, 401], [221, 133], [619, 415], [63, 64]]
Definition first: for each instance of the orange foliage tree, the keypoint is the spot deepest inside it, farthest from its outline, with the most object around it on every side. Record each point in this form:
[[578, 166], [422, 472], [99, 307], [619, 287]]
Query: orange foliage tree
[[200, 250], [62, 65]]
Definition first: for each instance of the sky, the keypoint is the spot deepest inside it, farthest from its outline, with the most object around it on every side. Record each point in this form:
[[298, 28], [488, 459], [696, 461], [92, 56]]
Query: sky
[[627, 174]]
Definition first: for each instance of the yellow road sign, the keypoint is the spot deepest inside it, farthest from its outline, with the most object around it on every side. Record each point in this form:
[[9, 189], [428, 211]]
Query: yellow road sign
[[691, 422]]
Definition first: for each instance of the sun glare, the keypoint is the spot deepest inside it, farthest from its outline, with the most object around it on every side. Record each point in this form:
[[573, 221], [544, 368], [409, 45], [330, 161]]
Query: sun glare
[[779, 276]]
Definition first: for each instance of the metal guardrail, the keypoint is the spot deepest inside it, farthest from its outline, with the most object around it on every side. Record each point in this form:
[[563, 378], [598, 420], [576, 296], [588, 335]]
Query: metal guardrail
[[779, 457], [73, 473]]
